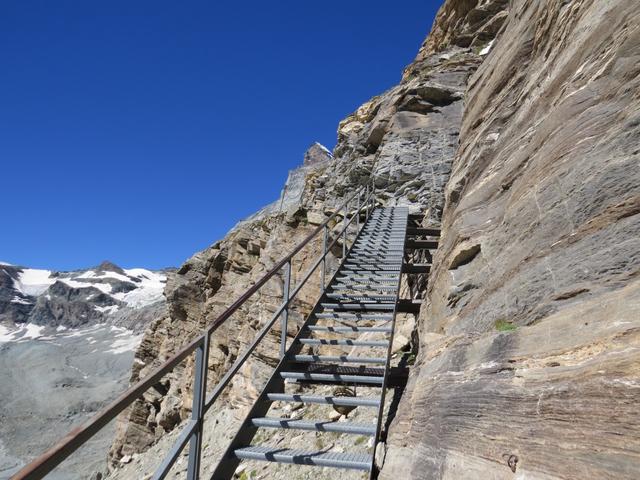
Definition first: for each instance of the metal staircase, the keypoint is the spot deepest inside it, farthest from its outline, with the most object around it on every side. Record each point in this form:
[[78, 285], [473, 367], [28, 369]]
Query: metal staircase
[[362, 297], [333, 349]]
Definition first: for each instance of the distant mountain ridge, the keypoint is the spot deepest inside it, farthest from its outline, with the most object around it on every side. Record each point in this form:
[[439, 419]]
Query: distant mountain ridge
[[105, 293], [66, 348]]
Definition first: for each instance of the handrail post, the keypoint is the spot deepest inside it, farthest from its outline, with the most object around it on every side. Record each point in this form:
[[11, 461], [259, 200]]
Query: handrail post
[[366, 204], [197, 410], [344, 230], [358, 211], [373, 195], [323, 272], [285, 313]]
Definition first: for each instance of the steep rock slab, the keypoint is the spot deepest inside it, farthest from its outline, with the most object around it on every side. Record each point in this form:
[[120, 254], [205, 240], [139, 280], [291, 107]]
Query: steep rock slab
[[529, 355], [405, 138]]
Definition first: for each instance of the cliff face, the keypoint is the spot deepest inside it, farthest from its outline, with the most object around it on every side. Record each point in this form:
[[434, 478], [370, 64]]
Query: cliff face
[[516, 129], [528, 364], [406, 138]]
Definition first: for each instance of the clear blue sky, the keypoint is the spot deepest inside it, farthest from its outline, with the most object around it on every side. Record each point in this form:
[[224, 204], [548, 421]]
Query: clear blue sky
[[142, 131]]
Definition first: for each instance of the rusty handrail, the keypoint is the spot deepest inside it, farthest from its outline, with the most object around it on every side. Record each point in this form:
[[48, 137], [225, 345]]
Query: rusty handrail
[[77, 437]]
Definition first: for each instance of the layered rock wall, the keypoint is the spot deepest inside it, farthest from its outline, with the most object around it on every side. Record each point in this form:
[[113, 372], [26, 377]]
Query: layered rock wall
[[528, 365]]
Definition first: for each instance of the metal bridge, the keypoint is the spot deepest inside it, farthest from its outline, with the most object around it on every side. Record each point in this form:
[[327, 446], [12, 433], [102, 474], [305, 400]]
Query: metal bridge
[[361, 296]]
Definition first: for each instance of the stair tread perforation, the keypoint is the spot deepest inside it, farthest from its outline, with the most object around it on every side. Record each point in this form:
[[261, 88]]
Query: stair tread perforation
[[347, 329], [344, 342]]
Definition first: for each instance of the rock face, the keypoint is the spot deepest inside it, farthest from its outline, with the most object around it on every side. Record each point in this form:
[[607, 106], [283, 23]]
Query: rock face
[[515, 129], [529, 345], [463, 23], [317, 153], [406, 138]]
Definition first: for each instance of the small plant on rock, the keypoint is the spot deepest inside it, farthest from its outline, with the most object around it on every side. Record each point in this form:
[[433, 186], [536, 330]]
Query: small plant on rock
[[503, 325]]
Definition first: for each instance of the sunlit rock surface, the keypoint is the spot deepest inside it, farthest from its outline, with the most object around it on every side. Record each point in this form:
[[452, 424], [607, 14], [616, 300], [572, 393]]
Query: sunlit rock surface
[[529, 347]]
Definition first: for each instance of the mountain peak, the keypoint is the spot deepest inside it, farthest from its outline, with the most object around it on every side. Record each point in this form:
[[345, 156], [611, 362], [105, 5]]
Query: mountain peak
[[316, 153], [108, 266]]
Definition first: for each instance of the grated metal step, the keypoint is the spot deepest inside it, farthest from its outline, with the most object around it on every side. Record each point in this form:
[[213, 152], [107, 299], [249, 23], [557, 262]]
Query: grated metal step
[[325, 400], [363, 261], [319, 458], [363, 257], [372, 271], [339, 369], [375, 317], [359, 297], [353, 329], [368, 277], [367, 267], [333, 377], [370, 286], [315, 425], [364, 282], [378, 245], [386, 260], [339, 358], [345, 342], [359, 306]]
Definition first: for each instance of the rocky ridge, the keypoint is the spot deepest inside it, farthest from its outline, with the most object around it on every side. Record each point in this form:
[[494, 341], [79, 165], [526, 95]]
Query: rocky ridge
[[106, 293], [513, 129]]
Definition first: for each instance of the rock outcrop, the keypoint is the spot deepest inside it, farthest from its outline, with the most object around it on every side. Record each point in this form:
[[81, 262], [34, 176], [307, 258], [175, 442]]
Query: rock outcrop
[[515, 129], [529, 346]]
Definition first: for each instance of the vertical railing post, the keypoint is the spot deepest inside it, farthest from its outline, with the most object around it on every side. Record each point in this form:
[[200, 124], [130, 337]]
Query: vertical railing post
[[344, 230], [372, 200], [366, 204], [323, 272], [358, 212], [197, 409], [284, 317]]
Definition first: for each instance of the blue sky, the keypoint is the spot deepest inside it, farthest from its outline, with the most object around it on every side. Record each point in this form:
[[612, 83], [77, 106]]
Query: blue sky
[[141, 132]]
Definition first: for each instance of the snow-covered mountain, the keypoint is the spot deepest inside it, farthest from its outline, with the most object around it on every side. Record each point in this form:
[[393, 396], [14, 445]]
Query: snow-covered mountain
[[106, 293], [66, 347]]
